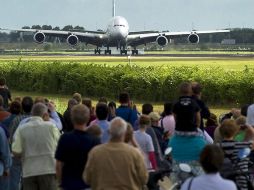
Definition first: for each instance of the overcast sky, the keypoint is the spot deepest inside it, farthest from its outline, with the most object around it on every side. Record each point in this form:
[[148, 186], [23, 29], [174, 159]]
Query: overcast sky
[[173, 15]]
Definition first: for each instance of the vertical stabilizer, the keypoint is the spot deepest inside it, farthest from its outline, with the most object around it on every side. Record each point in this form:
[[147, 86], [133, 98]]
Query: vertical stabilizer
[[114, 8]]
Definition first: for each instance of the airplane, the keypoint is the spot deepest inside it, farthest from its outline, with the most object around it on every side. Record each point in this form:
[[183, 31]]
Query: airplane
[[116, 35]]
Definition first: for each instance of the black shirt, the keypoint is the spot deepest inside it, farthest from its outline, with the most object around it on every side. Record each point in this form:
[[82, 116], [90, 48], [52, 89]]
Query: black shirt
[[185, 110], [5, 93], [72, 150]]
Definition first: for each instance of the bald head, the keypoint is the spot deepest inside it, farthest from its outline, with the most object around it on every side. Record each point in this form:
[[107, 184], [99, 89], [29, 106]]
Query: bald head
[[117, 129]]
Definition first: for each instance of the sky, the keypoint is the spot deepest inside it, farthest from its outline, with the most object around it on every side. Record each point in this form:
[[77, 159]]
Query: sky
[[172, 15]]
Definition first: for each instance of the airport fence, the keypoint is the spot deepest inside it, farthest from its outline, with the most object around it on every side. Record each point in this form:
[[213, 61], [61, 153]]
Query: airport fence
[[143, 83]]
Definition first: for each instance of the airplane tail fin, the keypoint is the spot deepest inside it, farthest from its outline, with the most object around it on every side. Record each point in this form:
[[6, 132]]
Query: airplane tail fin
[[114, 8]]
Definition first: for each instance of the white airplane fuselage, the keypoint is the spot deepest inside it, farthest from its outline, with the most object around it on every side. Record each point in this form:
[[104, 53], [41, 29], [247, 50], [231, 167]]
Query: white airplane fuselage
[[117, 31]]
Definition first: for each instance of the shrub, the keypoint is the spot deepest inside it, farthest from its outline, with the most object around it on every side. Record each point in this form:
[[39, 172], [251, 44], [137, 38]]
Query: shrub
[[143, 83]]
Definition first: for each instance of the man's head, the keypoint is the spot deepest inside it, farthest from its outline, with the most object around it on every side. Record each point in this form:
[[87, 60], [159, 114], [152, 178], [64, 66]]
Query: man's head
[[117, 129], [196, 88], [185, 89], [211, 159], [72, 102], [155, 117], [15, 107], [124, 98], [80, 115], [77, 97], [87, 102], [144, 121], [27, 104], [2, 81], [101, 111], [228, 128], [168, 108], [147, 108], [40, 110]]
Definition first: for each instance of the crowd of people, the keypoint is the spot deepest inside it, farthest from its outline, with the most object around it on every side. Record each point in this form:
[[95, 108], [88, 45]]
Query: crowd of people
[[105, 146]]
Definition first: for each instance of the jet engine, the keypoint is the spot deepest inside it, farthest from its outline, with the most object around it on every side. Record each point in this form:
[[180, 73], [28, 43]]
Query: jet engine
[[39, 37], [72, 40], [193, 38], [162, 40]]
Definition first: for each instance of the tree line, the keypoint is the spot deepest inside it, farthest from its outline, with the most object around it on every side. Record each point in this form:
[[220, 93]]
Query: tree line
[[240, 35]]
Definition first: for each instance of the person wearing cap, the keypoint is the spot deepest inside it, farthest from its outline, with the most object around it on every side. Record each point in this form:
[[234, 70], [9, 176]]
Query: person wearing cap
[[155, 118]]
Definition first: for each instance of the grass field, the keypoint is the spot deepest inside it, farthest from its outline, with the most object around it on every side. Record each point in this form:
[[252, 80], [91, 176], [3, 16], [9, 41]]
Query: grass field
[[228, 63]]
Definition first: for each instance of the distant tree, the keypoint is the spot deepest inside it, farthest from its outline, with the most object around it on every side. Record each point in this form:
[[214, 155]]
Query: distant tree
[[68, 28], [36, 27], [46, 27], [56, 28], [79, 28], [25, 27]]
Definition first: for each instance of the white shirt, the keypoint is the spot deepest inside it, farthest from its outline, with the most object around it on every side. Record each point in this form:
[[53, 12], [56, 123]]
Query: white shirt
[[250, 115], [209, 182]]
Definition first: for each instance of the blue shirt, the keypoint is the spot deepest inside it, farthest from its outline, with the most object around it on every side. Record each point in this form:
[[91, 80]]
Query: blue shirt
[[128, 114], [104, 125], [186, 148], [5, 156]]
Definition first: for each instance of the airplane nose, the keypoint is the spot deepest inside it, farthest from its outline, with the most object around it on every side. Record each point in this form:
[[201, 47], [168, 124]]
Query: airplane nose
[[120, 33]]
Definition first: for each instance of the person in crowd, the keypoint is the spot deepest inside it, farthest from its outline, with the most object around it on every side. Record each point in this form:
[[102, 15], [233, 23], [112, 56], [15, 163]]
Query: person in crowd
[[186, 110], [35, 142], [102, 115], [5, 93], [244, 110], [204, 110], [211, 124], [94, 130], [211, 160], [67, 115], [77, 97], [145, 142], [129, 136], [167, 122], [15, 171], [246, 132], [147, 108], [5, 161], [112, 110], [88, 102], [125, 110], [15, 110], [122, 166], [53, 115], [155, 118], [103, 100], [250, 115], [72, 150], [228, 130], [3, 113]]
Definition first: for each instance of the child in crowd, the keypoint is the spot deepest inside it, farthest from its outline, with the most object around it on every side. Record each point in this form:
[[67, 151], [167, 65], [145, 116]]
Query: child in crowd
[[228, 131]]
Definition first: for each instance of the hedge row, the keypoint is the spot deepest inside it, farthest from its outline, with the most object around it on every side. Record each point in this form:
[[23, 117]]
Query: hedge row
[[146, 84]]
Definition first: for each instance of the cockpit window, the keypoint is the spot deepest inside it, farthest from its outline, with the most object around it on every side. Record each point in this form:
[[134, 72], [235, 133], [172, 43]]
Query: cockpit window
[[119, 25]]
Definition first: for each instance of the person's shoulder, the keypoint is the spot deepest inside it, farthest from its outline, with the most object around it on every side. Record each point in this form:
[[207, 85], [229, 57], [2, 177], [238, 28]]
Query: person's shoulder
[[228, 184]]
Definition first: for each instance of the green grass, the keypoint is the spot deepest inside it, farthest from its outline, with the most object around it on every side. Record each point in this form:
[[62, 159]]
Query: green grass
[[227, 63]]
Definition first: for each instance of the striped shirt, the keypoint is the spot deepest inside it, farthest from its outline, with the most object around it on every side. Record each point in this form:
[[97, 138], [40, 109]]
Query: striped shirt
[[231, 149]]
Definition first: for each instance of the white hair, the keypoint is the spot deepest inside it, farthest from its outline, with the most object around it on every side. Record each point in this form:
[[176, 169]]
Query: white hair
[[117, 128], [39, 109]]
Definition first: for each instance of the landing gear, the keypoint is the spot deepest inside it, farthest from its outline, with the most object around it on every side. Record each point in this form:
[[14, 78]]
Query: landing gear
[[97, 51], [135, 51], [123, 51], [107, 52]]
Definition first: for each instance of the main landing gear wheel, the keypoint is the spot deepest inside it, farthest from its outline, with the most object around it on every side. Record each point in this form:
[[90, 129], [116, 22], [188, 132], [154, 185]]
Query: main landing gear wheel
[[123, 52], [107, 52], [133, 52], [97, 51]]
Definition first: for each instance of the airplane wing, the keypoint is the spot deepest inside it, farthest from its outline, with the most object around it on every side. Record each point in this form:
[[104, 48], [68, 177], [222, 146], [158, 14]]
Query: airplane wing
[[89, 37], [139, 38]]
